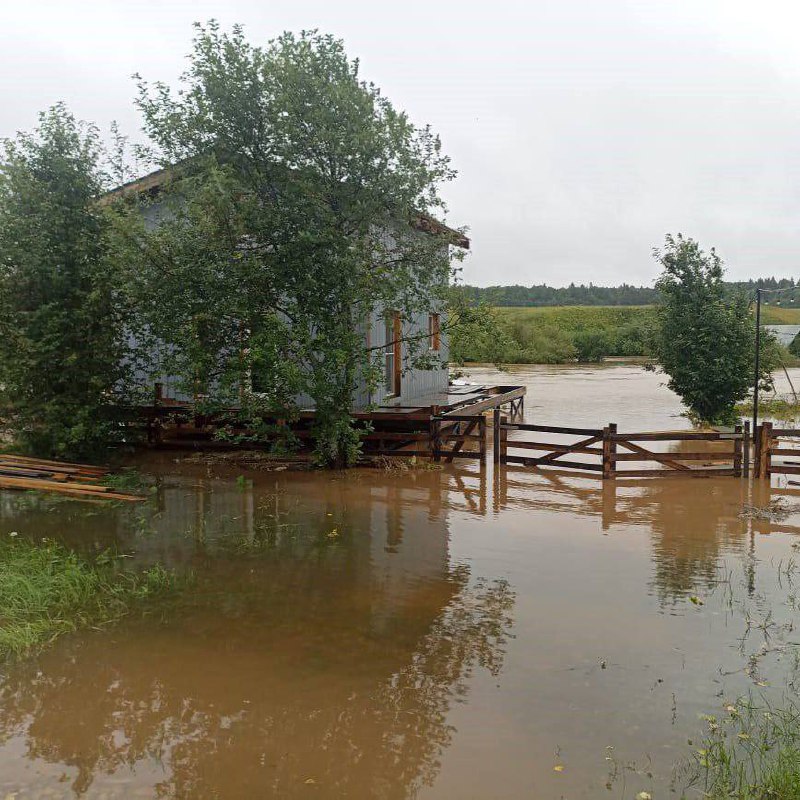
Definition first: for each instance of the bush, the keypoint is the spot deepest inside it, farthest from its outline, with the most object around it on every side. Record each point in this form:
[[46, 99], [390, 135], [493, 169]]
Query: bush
[[632, 339], [592, 345]]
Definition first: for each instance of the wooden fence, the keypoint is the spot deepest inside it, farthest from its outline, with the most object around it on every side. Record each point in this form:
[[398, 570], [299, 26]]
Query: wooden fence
[[450, 433], [773, 448], [606, 451]]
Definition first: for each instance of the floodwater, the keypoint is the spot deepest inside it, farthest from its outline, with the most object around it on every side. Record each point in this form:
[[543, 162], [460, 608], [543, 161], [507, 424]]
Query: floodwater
[[431, 633]]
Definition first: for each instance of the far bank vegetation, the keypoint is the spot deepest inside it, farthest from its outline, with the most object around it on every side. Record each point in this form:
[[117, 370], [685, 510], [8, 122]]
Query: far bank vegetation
[[565, 334]]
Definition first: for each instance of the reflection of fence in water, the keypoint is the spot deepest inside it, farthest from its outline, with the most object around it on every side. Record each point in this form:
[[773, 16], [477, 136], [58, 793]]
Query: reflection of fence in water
[[635, 501], [469, 484]]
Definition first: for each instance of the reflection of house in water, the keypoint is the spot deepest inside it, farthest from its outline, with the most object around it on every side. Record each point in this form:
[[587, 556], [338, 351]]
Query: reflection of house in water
[[325, 639]]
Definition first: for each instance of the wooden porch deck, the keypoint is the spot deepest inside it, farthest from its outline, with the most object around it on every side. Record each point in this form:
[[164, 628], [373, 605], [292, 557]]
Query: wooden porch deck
[[391, 429], [461, 400]]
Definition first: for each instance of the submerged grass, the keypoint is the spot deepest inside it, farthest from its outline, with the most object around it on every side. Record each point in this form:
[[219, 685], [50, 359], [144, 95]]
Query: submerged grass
[[777, 408], [47, 590], [753, 753]]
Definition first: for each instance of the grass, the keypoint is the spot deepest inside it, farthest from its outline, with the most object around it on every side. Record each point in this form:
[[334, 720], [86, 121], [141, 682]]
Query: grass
[[752, 753], [775, 408], [779, 315], [47, 590], [128, 479]]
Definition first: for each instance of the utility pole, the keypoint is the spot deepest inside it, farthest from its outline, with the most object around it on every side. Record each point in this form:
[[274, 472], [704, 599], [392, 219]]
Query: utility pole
[[758, 363]]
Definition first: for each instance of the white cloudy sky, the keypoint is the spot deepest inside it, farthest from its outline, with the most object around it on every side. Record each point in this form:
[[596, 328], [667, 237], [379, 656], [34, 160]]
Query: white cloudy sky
[[583, 130]]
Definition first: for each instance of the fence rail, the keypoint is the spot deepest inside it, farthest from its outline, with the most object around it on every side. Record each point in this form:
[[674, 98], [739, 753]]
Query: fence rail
[[609, 451]]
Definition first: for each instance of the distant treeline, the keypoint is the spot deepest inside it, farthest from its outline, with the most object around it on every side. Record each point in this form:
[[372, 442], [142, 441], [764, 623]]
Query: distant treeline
[[592, 295]]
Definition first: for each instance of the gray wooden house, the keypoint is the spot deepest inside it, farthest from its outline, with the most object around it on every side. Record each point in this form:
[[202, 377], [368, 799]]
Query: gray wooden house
[[403, 384]]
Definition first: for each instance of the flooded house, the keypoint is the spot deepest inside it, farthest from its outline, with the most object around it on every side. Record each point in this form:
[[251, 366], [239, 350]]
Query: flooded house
[[404, 381]]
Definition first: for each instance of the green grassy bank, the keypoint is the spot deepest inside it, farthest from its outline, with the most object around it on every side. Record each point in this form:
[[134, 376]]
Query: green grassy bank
[[561, 334], [751, 752], [47, 590]]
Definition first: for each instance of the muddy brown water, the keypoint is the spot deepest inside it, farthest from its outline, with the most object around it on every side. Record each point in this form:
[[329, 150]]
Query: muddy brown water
[[435, 633]]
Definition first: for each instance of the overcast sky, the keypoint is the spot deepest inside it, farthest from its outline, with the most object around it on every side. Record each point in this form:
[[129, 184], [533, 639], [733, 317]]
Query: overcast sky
[[582, 130]]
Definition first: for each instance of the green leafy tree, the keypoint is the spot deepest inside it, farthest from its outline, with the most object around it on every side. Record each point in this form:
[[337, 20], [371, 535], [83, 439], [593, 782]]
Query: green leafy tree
[[705, 341], [294, 210], [61, 349]]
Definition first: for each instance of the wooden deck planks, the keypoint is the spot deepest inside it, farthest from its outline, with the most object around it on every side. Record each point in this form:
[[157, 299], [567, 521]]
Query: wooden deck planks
[[61, 477]]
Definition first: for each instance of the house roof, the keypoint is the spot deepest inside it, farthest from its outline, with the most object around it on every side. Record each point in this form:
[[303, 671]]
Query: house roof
[[154, 181]]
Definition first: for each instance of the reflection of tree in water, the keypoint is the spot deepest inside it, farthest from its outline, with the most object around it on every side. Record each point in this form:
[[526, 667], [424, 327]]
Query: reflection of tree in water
[[307, 662], [220, 742], [694, 523]]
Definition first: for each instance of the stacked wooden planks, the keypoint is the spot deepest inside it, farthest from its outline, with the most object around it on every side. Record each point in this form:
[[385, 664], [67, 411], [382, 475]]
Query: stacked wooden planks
[[77, 480]]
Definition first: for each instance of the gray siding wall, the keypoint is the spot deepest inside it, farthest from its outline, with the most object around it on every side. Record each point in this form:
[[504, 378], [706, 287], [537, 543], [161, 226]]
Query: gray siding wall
[[415, 383]]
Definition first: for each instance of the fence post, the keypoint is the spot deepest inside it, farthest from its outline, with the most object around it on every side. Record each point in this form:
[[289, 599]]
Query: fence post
[[766, 449], [757, 451], [737, 452], [503, 442], [482, 434], [609, 450], [746, 449], [762, 437], [496, 435], [436, 435]]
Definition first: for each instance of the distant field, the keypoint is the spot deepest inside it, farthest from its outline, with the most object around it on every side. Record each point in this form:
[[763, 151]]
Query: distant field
[[586, 316], [560, 334], [577, 317], [777, 315]]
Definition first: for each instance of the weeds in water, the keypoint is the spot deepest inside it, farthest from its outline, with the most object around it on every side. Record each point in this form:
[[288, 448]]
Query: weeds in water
[[47, 590], [777, 408], [777, 511], [399, 463], [129, 480], [750, 753]]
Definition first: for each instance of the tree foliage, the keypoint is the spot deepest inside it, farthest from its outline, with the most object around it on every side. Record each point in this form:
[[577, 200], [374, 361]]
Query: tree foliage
[[61, 352], [476, 332], [287, 222], [706, 338]]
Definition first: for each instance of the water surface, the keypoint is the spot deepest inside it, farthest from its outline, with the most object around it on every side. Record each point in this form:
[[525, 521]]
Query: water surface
[[433, 633]]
